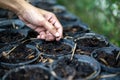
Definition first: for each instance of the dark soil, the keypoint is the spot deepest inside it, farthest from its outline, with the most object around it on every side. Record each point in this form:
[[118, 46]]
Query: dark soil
[[91, 42], [55, 48], [66, 68], [29, 74], [109, 59], [87, 45], [70, 31], [19, 54], [9, 36]]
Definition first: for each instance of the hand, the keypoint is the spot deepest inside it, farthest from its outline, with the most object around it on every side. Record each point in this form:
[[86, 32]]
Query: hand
[[44, 22]]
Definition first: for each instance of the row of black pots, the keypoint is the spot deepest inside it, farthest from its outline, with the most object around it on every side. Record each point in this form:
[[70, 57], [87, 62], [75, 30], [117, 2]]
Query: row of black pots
[[19, 54], [48, 46], [81, 67]]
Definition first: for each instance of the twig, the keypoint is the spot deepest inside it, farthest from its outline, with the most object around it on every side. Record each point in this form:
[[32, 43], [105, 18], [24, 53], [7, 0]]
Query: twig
[[91, 75], [118, 56], [104, 61], [108, 75], [73, 52], [28, 39], [29, 55]]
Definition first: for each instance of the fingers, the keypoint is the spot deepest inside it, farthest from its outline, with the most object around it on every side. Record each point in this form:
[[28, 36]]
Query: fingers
[[42, 35], [51, 29], [54, 21], [59, 29], [49, 36]]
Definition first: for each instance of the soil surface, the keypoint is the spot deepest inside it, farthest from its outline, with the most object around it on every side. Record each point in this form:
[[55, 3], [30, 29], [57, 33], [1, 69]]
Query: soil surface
[[9, 36], [77, 70], [19, 54], [110, 60], [72, 30], [55, 48], [91, 42]]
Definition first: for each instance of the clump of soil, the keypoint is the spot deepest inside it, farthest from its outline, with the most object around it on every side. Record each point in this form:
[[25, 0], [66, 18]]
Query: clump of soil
[[9, 36], [55, 48], [78, 70], [29, 74], [19, 54], [110, 60]]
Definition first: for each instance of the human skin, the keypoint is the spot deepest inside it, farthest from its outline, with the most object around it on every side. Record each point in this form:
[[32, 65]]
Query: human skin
[[42, 21]]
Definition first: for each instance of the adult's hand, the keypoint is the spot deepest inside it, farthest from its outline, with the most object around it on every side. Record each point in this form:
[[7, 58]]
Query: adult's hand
[[44, 22]]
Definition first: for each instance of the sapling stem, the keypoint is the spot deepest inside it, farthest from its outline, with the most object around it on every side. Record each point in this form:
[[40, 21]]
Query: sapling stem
[[73, 51], [8, 53]]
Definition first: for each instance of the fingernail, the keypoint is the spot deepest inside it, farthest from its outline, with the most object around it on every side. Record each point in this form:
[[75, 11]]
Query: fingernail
[[57, 34], [38, 36]]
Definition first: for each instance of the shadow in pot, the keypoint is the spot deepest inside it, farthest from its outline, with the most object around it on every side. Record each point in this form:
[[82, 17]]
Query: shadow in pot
[[109, 58], [88, 42], [18, 55], [29, 72], [55, 49], [81, 67]]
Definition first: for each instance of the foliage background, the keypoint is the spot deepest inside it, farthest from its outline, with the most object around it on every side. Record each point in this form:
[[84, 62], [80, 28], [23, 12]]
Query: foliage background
[[102, 16]]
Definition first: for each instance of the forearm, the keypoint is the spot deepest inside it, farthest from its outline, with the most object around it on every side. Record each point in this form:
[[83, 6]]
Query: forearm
[[13, 5]]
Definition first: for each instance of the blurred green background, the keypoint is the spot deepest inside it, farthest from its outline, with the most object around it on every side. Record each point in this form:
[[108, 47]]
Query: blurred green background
[[102, 16]]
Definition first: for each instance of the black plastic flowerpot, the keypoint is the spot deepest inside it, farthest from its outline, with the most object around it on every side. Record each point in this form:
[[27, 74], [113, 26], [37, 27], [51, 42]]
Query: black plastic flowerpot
[[109, 58], [44, 4], [11, 24], [75, 29], [67, 19], [88, 42], [18, 55], [55, 49], [30, 72], [81, 67], [4, 13], [12, 36]]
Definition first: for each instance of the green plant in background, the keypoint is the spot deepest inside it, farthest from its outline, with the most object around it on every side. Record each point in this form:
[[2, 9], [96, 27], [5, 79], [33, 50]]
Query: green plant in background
[[102, 16]]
